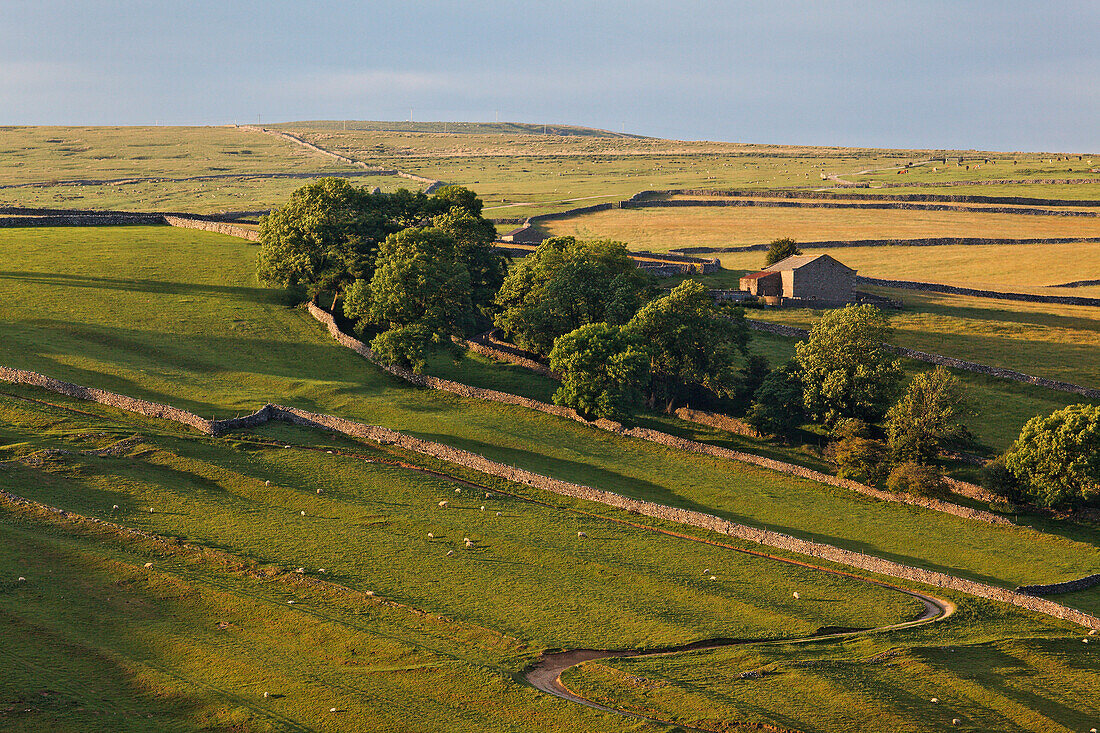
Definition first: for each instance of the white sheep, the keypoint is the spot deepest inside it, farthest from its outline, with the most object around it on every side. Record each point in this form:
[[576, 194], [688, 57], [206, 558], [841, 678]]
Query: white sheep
[[329, 452], [303, 512], [796, 596], [266, 694], [458, 491], [713, 577], [706, 571], [300, 571], [469, 544], [290, 603], [266, 483], [450, 552], [151, 510], [431, 536], [320, 491], [443, 504], [955, 721], [482, 507], [114, 508], [488, 495], [581, 534], [22, 579], [322, 571], [500, 514], [934, 699]]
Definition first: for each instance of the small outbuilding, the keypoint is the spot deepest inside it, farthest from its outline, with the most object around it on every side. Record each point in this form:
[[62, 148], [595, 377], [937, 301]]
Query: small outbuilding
[[806, 280]]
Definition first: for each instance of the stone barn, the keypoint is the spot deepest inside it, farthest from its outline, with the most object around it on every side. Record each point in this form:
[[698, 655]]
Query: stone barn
[[807, 280]]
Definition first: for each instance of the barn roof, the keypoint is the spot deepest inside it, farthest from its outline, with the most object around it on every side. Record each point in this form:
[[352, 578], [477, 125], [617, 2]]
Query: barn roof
[[796, 261], [757, 275]]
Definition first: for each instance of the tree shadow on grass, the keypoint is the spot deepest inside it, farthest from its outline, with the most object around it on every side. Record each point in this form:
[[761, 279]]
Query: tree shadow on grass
[[255, 294]]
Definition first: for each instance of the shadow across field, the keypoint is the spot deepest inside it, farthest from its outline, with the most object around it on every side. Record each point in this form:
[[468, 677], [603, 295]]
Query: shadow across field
[[160, 287]]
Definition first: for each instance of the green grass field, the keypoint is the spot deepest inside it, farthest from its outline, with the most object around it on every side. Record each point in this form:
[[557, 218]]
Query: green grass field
[[182, 320]]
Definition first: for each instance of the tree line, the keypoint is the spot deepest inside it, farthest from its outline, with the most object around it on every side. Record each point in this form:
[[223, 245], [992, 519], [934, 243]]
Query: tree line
[[410, 271]]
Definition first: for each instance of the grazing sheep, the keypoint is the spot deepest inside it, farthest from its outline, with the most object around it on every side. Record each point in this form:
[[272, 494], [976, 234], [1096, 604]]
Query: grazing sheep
[[300, 571], [290, 603], [450, 552], [266, 694], [796, 596], [148, 564], [1092, 633], [114, 508], [934, 699], [369, 593], [329, 452], [955, 721], [22, 579], [151, 510], [320, 491], [266, 483], [500, 514], [482, 507], [443, 504], [431, 536], [488, 495], [706, 572], [469, 544], [303, 512], [581, 534], [458, 491], [332, 710], [322, 571], [714, 577]]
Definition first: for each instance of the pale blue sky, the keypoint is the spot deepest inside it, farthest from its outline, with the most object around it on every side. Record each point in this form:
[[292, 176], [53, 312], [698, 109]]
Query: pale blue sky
[[950, 73]]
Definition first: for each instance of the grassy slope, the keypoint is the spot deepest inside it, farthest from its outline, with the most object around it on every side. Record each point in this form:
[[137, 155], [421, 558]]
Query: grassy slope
[[665, 229], [180, 319]]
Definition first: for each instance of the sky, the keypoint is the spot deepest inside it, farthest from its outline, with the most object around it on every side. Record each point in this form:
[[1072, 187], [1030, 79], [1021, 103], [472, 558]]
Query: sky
[[996, 75]]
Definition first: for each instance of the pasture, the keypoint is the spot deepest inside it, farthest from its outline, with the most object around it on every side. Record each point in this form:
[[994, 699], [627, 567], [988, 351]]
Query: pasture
[[183, 321], [663, 229]]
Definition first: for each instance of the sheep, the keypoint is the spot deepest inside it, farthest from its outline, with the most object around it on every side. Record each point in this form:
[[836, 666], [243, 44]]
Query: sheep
[[151, 510], [114, 508], [466, 539], [714, 577], [320, 491], [469, 544], [369, 593], [431, 536], [450, 552], [1092, 633], [488, 495], [796, 596], [267, 483], [329, 452], [706, 571], [303, 512], [458, 491], [955, 721], [22, 579], [148, 564], [581, 534], [443, 504], [266, 694], [300, 571], [934, 699], [500, 514], [290, 603], [482, 507], [322, 571], [332, 710]]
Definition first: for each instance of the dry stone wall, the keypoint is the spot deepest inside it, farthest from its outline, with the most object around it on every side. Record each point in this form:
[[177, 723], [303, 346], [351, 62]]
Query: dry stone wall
[[484, 465], [802, 204], [1069, 586], [221, 227], [652, 436], [918, 242], [947, 361], [976, 293], [844, 196]]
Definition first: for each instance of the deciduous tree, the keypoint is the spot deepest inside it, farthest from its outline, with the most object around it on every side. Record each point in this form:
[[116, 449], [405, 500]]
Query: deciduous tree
[[1057, 458], [601, 370], [925, 417]]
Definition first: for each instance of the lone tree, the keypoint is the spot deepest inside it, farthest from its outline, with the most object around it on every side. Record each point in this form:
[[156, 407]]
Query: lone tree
[[781, 249], [601, 370], [691, 343], [420, 293], [1056, 459], [848, 370], [925, 417], [567, 283]]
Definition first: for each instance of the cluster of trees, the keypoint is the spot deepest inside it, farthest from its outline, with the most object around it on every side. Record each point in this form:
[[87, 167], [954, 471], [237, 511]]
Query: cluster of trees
[[845, 378], [587, 306], [412, 269]]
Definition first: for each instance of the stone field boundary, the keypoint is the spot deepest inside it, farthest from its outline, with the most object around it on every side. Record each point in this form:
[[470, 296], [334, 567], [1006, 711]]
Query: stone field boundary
[[916, 242], [977, 293], [779, 329], [459, 457]]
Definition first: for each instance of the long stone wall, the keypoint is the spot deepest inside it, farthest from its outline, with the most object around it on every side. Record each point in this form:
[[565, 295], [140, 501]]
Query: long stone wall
[[484, 465], [221, 227], [779, 329], [917, 242], [804, 204], [843, 196], [1070, 586], [652, 436], [977, 293]]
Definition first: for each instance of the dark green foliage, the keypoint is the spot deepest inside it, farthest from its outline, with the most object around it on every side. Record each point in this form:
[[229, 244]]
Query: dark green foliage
[[328, 235], [690, 343], [857, 455], [325, 237], [997, 478], [420, 282], [916, 478], [473, 238], [925, 417], [601, 370], [403, 346], [748, 380], [1057, 458], [781, 249], [777, 407], [848, 370], [565, 284]]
